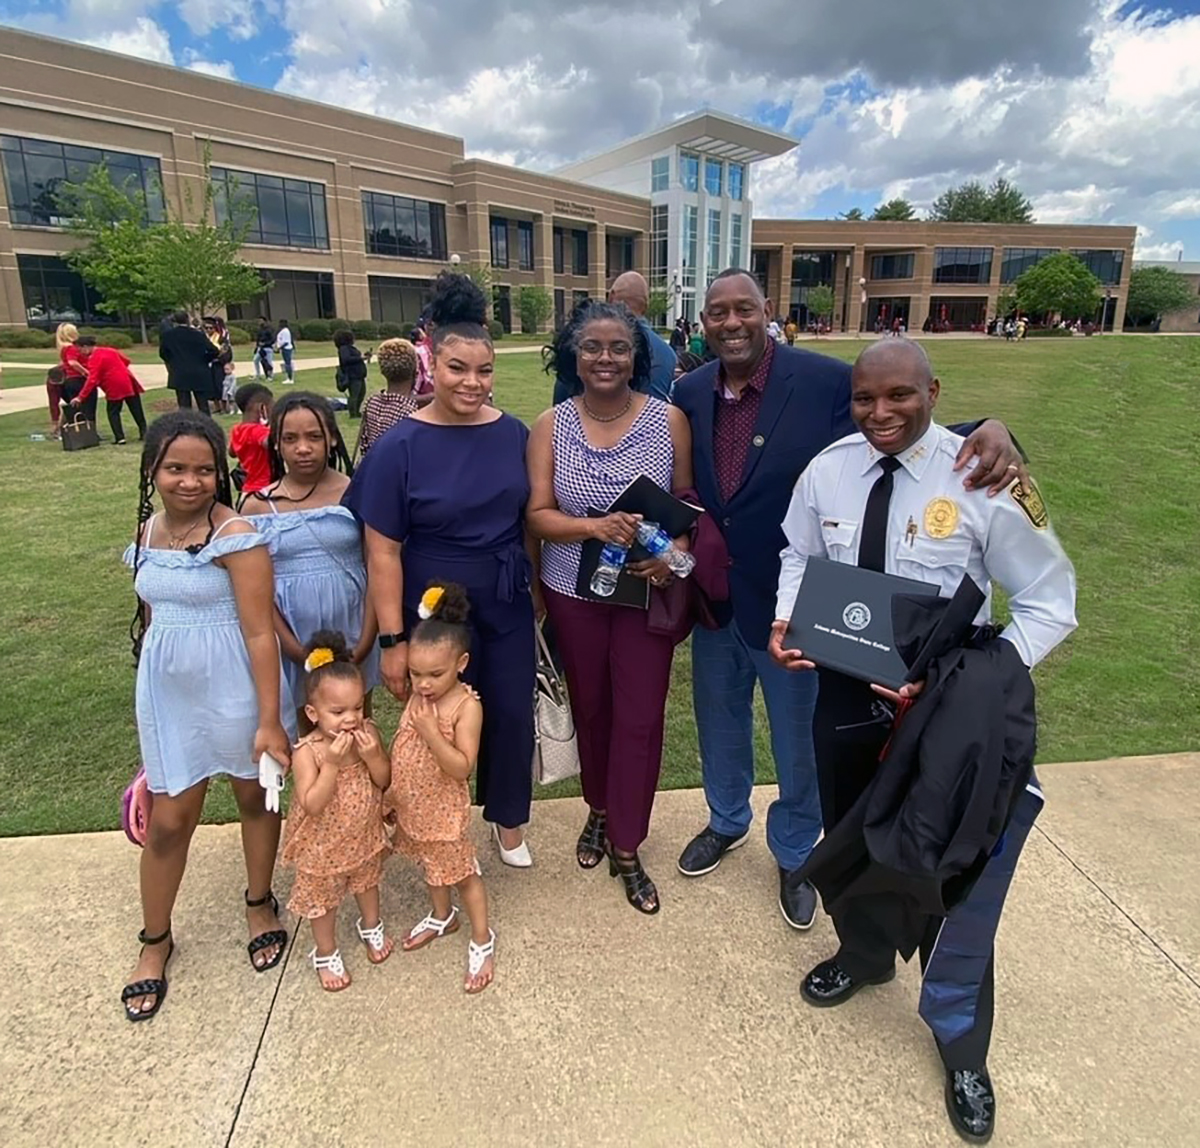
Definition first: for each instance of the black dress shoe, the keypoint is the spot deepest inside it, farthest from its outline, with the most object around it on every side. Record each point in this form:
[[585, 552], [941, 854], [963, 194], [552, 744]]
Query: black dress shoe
[[704, 852], [797, 900], [829, 984], [971, 1104]]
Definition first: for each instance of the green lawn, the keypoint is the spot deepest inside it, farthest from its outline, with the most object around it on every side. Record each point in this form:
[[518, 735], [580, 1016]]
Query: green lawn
[[1109, 424]]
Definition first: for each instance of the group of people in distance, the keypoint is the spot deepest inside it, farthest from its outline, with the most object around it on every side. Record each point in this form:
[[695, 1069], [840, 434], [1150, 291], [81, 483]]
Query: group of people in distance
[[427, 569]]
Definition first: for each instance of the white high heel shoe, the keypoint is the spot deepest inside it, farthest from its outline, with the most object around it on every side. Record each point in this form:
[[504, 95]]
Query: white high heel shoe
[[518, 858]]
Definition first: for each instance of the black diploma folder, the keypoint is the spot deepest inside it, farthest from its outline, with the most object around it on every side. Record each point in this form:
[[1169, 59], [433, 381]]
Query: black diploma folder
[[843, 620], [645, 497]]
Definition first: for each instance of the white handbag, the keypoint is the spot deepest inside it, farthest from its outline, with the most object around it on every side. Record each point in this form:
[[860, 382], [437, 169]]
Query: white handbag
[[555, 750]]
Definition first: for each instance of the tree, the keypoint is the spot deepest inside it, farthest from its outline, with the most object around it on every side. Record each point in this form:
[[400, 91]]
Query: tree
[[1157, 291], [1006, 302], [895, 209], [1060, 284], [479, 273], [820, 303], [656, 306], [855, 214], [113, 226], [536, 307], [971, 202]]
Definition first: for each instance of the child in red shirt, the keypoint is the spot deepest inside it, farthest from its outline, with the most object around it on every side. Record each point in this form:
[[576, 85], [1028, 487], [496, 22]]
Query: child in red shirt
[[248, 439]]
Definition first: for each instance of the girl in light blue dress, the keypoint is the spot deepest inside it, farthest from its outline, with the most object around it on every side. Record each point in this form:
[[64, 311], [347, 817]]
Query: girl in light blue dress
[[316, 543], [210, 695]]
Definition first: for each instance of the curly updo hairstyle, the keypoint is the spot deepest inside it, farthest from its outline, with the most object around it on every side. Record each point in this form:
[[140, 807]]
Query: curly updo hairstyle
[[397, 360], [560, 357], [449, 620], [458, 310], [342, 667]]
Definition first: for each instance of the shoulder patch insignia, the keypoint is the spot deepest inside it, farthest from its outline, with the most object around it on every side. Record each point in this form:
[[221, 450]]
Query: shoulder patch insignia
[[1030, 500]]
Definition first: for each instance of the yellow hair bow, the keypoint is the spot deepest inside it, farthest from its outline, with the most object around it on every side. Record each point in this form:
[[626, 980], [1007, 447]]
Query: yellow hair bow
[[321, 656], [430, 601]]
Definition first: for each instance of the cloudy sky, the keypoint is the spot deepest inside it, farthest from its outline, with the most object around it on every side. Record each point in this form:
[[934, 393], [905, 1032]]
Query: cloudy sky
[[1091, 106]]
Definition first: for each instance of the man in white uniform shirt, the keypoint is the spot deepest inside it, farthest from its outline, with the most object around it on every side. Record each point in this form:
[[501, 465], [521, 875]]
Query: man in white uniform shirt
[[888, 499]]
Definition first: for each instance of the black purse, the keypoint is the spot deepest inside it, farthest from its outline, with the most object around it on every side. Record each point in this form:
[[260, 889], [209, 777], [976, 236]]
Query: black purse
[[79, 434]]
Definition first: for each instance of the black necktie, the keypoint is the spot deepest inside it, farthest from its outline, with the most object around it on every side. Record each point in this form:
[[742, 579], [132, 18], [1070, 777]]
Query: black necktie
[[872, 545]]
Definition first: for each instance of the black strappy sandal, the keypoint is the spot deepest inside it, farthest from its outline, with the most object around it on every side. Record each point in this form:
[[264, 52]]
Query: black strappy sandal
[[271, 937], [590, 848], [151, 986], [640, 891]]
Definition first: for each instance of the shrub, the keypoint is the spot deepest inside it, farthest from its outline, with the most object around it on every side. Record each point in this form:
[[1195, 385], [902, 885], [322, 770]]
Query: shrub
[[365, 329], [315, 330], [340, 325], [26, 338], [393, 331], [239, 336], [121, 340], [496, 330]]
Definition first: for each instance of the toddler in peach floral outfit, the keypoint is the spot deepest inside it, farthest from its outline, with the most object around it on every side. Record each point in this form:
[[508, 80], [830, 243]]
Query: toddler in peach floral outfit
[[433, 755]]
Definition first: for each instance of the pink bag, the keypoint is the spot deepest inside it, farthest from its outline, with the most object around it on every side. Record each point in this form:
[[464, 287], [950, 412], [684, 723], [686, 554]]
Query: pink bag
[[135, 808]]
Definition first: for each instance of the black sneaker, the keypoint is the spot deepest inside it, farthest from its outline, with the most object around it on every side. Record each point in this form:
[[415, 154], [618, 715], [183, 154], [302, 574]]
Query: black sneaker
[[797, 900], [704, 852]]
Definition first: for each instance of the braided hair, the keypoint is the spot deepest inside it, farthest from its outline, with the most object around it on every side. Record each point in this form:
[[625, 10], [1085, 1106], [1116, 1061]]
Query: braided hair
[[560, 357], [447, 617], [458, 310], [161, 434], [336, 453]]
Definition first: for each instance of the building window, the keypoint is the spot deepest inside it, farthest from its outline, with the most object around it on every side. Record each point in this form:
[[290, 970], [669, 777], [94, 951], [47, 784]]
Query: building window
[[892, 266], [406, 228], [525, 245], [660, 173], [735, 241], [958, 312], [760, 268], [714, 245], [55, 294], [618, 254], [1105, 265], [714, 169], [1017, 260], [813, 268], [883, 311], [962, 264], [578, 298], [502, 307], [691, 224], [35, 170], [499, 229], [287, 212], [579, 247], [560, 308], [293, 295], [658, 247], [689, 171], [560, 255], [396, 300], [736, 178]]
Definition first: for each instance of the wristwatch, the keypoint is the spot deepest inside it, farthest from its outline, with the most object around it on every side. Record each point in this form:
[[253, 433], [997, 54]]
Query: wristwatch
[[387, 641]]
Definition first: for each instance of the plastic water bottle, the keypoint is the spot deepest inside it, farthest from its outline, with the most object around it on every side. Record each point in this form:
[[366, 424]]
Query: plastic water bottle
[[35, 437], [659, 544], [612, 559]]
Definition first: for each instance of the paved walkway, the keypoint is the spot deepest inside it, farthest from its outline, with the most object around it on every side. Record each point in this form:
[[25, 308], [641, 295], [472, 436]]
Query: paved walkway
[[605, 1028]]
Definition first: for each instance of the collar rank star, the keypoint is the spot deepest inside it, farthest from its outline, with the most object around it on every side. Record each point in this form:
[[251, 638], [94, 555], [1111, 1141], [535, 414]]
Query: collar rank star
[[941, 517]]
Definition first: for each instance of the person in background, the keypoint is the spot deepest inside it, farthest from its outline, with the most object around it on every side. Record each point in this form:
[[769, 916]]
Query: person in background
[[679, 336], [353, 369], [109, 370], [223, 373], [790, 331], [775, 331], [697, 344], [264, 349], [248, 439], [74, 372], [189, 355], [397, 359], [286, 347], [54, 396], [420, 340]]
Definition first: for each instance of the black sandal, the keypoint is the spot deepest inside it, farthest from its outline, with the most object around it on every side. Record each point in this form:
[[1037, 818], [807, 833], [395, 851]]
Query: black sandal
[[590, 850], [151, 986], [266, 940], [640, 891]]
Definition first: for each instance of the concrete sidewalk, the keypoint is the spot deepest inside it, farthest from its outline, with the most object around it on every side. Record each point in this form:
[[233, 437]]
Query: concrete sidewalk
[[606, 1028]]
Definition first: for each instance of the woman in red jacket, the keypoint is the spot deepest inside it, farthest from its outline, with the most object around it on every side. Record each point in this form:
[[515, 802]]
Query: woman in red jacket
[[109, 370]]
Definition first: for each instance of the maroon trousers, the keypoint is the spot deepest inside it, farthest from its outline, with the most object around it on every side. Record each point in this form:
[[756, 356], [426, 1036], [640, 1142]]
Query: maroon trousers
[[618, 674]]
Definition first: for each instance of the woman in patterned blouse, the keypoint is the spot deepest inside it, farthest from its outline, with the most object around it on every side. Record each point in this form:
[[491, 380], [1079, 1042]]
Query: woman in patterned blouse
[[397, 359]]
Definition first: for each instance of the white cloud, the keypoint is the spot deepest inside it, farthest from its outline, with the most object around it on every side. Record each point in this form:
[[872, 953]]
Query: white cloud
[[223, 69], [240, 19], [144, 39]]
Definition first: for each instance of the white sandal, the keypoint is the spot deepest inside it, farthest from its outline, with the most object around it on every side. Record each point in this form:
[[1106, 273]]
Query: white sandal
[[477, 955], [330, 964], [373, 938], [435, 928]]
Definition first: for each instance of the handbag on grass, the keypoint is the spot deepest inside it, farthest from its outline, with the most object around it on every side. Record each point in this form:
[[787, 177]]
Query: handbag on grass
[[79, 434], [555, 750]]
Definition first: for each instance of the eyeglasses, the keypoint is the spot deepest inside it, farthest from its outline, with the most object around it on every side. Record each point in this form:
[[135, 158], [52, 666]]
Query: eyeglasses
[[593, 350]]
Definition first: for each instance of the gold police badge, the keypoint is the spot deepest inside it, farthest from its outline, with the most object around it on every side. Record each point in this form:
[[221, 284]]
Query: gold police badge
[[941, 517]]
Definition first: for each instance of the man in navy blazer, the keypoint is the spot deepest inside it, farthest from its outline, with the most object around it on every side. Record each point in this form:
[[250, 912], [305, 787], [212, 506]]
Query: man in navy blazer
[[759, 414]]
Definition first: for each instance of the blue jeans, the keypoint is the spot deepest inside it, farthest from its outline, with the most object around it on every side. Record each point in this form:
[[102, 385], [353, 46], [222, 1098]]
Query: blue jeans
[[724, 670], [286, 352], [264, 362]]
